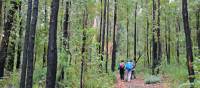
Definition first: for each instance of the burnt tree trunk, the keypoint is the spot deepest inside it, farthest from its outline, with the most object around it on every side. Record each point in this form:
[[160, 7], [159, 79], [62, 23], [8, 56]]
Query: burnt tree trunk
[[159, 39], [177, 41], [104, 29], [169, 43], [8, 25], [147, 34], [83, 51], [188, 41], [100, 31], [31, 45], [25, 50], [114, 39], [198, 28], [154, 43], [107, 35], [135, 33], [19, 46], [1, 15], [52, 46], [127, 34]]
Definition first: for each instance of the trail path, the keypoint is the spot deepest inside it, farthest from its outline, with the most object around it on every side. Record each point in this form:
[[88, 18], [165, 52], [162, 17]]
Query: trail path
[[138, 83]]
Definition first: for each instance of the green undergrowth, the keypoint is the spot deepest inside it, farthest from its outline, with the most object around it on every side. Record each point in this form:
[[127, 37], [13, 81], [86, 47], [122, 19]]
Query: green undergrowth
[[152, 79]]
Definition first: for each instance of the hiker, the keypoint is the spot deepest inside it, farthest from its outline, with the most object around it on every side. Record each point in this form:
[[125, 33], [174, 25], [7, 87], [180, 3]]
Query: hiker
[[121, 69], [129, 68], [133, 70]]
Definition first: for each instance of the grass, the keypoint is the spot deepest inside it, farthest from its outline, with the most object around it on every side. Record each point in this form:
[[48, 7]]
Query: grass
[[152, 79]]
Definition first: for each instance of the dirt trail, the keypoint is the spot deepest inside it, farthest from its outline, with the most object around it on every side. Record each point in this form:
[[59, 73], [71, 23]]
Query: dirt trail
[[138, 83]]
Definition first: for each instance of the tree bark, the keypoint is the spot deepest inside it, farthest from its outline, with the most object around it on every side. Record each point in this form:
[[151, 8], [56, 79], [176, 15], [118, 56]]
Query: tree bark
[[100, 32], [114, 39], [5, 40], [31, 45], [107, 35], [154, 43], [135, 34], [147, 33], [1, 15], [198, 28], [127, 34], [26, 40], [159, 39], [52, 46], [19, 46], [103, 33], [169, 43], [85, 15], [177, 41], [187, 30]]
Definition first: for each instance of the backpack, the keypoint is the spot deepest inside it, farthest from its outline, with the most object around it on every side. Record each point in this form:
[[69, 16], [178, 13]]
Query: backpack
[[121, 66], [129, 66]]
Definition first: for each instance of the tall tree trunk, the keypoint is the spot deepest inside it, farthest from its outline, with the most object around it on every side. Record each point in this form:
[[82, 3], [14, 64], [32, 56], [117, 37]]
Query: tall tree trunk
[[52, 46], [127, 34], [188, 41], [154, 43], [83, 47], [198, 28], [5, 40], [177, 41], [65, 26], [169, 43], [19, 46], [1, 15], [103, 33], [114, 39], [31, 45], [159, 39], [147, 33], [159, 50], [26, 40], [135, 34], [100, 32], [107, 35]]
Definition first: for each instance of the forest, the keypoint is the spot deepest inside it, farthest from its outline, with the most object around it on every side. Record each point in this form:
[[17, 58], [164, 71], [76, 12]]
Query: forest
[[80, 43]]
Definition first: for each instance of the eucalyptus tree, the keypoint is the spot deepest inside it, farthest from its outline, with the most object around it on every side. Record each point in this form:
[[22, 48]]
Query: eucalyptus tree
[[83, 50], [198, 26], [178, 39], [159, 46], [114, 39], [107, 34], [147, 33], [135, 33], [52, 46], [154, 43], [25, 49], [19, 46], [187, 30], [103, 31], [1, 14], [31, 45], [100, 31]]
